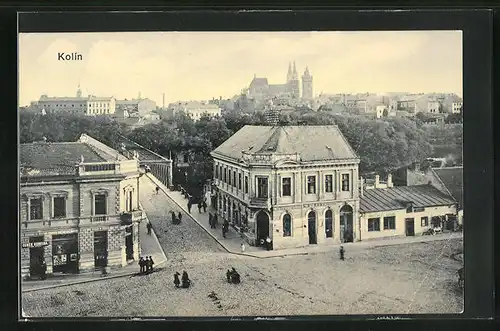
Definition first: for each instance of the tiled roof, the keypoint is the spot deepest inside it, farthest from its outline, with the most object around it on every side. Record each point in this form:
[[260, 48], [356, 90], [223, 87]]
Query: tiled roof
[[259, 82], [452, 178], [312, 143], [40, 159], [396, 197]]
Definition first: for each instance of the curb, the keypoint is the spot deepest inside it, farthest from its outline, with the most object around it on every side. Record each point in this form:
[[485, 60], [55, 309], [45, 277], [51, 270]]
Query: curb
[[85, 281], [154, 235]]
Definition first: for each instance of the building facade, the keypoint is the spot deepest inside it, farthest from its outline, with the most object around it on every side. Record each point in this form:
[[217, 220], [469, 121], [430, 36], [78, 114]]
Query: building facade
[[141, 107], [196, 109], [79, 207], [296, 184], [307, 85], [404, 211]]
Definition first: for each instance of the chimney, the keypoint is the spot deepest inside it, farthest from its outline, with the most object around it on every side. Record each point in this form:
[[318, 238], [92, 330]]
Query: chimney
[[377, 181], [389, 180], [361, 187]]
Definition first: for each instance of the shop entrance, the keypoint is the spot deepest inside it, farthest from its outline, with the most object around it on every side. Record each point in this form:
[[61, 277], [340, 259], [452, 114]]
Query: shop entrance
[[410, 226], [100, 249], [311, 220], [37, 257], [65, 253], [129, 242]]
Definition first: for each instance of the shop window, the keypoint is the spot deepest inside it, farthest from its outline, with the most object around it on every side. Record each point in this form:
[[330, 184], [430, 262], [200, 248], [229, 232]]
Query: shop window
[[390, 223], [287, 225], [59, 207], [329, 183], [311, 184], [424, 221], [286, 187], [36, 208], [345, 182], [373, 224]]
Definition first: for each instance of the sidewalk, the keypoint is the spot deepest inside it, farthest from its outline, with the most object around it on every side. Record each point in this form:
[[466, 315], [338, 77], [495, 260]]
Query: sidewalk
[[233, 240], [149, 247]]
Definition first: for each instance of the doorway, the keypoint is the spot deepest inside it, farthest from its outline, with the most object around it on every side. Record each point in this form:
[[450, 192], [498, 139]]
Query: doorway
[[262, 187], [410, 226], [37, 257], [346, 224], [129, 242], [100, 249], [262, 226], [311, 220], [65, 253]]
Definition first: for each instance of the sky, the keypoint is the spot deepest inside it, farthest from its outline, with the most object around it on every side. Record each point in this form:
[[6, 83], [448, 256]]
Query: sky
[[203, 65]]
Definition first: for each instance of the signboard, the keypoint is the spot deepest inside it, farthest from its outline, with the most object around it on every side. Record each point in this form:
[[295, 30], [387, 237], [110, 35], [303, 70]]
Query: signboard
[[36, 244]]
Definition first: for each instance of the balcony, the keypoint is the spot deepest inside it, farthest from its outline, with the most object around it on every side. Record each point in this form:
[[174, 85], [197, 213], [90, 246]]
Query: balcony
[[127, 218], [260, 202], [68, 222]]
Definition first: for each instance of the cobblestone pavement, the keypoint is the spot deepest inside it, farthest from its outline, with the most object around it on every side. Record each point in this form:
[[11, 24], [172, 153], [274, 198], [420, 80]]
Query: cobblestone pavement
[[183, 242], [412, 278]]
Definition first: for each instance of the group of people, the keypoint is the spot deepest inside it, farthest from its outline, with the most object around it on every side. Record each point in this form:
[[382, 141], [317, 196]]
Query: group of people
[[186, 282], [176, 219], [146, 264], [233, 277]]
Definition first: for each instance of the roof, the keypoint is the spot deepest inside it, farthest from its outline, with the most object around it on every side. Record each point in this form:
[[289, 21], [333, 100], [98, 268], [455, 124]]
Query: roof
[[312, 143], [452, 178], [382, 199], [45, 98], [259, 82], [46, 159]]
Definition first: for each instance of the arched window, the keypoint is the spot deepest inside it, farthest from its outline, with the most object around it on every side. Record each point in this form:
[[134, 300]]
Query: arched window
[[287, 225], [329, 223]]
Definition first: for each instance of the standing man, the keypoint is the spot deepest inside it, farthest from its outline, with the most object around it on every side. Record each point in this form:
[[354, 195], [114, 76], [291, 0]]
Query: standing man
[[157, 189], [141, 264], [189, 206], [179, 217], [268, 243], [341, 252], [149, 226], [204, 205]]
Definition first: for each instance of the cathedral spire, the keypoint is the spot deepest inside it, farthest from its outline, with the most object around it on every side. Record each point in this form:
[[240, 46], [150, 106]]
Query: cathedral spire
[[294, 74], [289, 74]]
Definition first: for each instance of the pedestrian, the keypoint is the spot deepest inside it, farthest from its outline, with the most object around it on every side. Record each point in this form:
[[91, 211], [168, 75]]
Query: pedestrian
[[176, 279], [199, 207], [210, 219], [146, 265], [179, 216], [149, 227], [342, 251], [228, 275], [151, 263], [186, 282], [214, 221], [243, 247], [235, 276], [142, 265], [173, 216], [43, 267], [204, 205], [189, 206], [224, 231], [268, 243], [157, 189]]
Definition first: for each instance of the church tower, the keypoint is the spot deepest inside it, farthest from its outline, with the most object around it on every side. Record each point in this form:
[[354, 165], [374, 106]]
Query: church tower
[[289, 74], [307, 85], [294, 83]]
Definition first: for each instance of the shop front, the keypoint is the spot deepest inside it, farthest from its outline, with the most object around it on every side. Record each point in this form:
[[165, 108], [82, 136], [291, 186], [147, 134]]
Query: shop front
[[100, 249], [38, 265], [65, 253]]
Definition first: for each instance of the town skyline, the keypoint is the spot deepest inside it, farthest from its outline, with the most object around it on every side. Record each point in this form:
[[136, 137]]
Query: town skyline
[[199, 68]]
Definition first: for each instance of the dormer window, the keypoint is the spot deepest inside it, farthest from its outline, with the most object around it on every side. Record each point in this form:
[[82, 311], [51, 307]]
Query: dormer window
[[409, 207]]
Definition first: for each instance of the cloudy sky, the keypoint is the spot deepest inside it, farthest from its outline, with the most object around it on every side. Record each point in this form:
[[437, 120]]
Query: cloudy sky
[[202, 65]]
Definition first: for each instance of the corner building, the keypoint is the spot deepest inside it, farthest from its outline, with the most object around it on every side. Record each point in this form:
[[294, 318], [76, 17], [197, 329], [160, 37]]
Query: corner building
[[296, 184], [79, 207]]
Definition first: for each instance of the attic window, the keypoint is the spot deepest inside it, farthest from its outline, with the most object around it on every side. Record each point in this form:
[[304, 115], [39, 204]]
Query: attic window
[[409, 207]]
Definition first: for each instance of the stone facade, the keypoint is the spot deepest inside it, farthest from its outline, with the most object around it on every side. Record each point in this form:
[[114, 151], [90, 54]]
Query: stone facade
[[119, 188]]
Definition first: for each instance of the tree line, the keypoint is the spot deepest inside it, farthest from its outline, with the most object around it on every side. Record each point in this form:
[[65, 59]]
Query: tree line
[[383, 145]]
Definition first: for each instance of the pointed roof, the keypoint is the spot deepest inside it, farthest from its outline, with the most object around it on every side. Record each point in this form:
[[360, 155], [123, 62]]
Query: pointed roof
[[312, 143]]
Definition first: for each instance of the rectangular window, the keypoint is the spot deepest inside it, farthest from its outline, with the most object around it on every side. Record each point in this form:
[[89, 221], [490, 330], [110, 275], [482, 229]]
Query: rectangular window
[[234, 178], [373, 224], [217, 171], [345, 183], [390, 223], [286, 187], [311, 184], [36, 208], [225, 175], [424, 221], [59, 207], [329, 183], [239, 181], [100, 204], [246, 184]]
